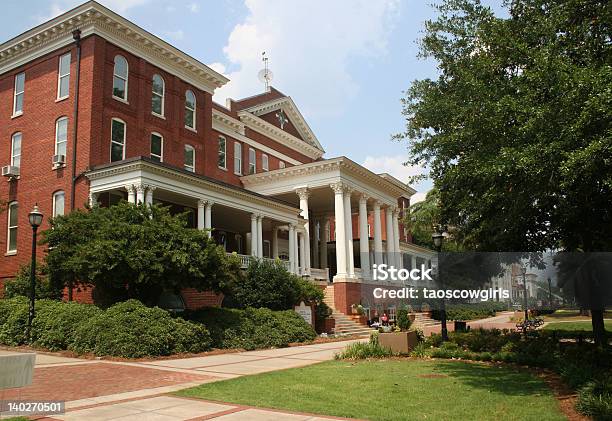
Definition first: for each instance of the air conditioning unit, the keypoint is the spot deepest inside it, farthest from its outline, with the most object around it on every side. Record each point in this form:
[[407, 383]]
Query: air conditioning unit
[[59, 160], [10, 171]]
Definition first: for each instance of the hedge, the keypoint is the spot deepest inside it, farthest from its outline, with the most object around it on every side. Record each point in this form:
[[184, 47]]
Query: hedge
[[470, 311]]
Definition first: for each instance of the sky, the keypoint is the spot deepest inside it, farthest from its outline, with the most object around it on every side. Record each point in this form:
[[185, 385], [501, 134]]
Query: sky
[[345, 63]]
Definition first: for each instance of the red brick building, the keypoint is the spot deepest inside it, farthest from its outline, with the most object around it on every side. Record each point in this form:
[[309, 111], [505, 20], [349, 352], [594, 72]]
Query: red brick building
[[95, 109]]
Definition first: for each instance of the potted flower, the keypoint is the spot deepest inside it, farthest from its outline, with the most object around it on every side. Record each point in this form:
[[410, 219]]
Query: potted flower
[[404, 340], [357, 309]]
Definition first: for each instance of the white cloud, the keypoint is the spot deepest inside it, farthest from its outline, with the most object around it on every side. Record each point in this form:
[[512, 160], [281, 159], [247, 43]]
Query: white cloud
[[193, 7], [177, 35], [310, 46], [218, 67], [395, 167]]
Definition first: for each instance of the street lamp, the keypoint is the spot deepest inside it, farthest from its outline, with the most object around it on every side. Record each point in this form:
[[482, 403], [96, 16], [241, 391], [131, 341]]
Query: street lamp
[[438, 237], [35, 218], [524, 272]]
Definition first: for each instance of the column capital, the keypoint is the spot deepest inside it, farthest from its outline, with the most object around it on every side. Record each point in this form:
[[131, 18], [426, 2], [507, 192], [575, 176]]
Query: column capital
[[129, 188], [377, 203], [254, 216], [303, 193], [348, 190], [151, 188], [202, 203], [363, 198], [210, 203], [140, 188], [292, 226], [260, 216], [338, 187]]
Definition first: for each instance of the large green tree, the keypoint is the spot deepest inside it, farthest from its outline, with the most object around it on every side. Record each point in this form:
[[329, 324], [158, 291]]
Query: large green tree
[[130, 251], [517, 128]]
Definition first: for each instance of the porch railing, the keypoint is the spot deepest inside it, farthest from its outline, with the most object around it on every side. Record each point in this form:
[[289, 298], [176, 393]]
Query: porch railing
[[245, 258], [322, 274]]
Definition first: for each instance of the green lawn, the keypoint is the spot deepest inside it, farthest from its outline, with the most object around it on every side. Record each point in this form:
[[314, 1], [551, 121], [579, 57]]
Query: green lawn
[[586, 325], [394, 390]]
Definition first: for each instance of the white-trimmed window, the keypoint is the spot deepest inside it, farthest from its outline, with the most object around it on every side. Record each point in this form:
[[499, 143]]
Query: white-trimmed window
[[61, 135], [11, 243], [237, 158], [16, 150], [189, 158], [59, 201], [222, 149], [281, 164], [18, 94], [157, 147], [63, 77], [252, 163], [157, 95], [265, 162], [190, 110], [117, 140], [120, 78]]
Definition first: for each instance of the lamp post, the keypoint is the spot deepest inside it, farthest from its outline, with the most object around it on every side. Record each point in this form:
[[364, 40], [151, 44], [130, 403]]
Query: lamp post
[[35, 218], [438, 236], [524, 272]]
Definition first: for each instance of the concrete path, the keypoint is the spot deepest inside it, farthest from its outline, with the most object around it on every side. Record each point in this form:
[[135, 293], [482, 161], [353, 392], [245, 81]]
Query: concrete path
[[107, 390]]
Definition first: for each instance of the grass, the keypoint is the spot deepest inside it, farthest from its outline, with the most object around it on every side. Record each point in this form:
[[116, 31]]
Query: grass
[[573, 315], [576, 326], [396, 389]]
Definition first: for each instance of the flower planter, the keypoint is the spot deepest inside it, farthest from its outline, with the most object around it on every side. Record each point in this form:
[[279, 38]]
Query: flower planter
[[399, 342]]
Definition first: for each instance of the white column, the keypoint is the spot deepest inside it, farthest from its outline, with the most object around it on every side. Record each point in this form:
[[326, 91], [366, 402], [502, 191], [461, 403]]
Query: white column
[[254, 239], [208, 216], [291, 248], [338, 189], [131, 193], [275, 242], [140, 193], [324, 240], [364, 241], [413, 261], [149, 195], [396, 244], [390, 240], [304, 194], [302, 249], [259, 235], [201, 205], [348, 220], [316, 236], [378, 249], [93, 199], [295, 247]]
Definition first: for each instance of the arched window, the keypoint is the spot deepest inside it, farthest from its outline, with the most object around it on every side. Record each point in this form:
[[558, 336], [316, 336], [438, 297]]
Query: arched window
[[157, 147], [117, 140], [58, 203], [190, 110], [189, 158], [120, 78], [61, 135], [16, 150], [157, 97], [11, 243]]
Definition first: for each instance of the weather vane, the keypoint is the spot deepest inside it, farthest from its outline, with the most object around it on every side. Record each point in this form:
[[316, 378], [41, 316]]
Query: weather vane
[[265, 75]]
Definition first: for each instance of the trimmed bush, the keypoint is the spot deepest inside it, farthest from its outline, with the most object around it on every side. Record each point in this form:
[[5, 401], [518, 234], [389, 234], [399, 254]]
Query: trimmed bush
[[132, 330], [13, 321], [470, 311]]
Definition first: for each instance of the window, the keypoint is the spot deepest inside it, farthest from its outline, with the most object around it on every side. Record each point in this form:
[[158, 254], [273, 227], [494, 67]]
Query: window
[[16, 150], [58, 203], [157, 147], [61, 136], [120, 78], [157, 98], [281, 164], [63, 77], [189, 158], [222, 162], [190, 110], [238, 158], [19, 90], [252, 164], [117, 140], [12, 227], [264, 162]]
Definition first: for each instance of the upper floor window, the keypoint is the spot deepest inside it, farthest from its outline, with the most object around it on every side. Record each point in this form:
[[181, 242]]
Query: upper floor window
[[16, 150], [61, 135], [264, 162], [238, 158], [59, 199], [281, 164], [190, 109], [222, 163], [117, 140], [63, 77], [252, 164], [18, 96], [157, 147], [120, 78], [11, 246], [157, 98], [189, 158]]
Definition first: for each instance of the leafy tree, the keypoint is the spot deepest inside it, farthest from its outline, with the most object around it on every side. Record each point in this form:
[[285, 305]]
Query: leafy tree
[[132, 251], [20, 285], [517, 127]]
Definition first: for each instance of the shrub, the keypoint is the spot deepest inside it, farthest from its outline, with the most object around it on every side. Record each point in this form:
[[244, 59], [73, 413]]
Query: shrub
[[20, 285], [13, 321], [595, 400], [403, 320], [363, 350], [131, 330], [421, 350], [469, 311]]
